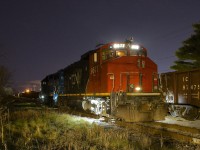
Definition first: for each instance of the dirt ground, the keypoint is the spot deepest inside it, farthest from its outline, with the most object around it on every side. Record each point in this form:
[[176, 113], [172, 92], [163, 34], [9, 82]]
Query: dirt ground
[[181, 122]]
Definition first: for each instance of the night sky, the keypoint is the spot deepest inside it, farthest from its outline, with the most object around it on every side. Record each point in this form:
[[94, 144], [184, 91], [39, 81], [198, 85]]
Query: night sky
[[40, 37]]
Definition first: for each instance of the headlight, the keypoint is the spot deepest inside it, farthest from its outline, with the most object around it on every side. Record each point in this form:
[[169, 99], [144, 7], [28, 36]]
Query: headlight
[[119, 45], [138, 88], [135, 47]]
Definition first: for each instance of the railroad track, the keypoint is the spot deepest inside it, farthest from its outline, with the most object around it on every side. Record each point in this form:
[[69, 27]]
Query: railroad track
[[164, 130], [160, 129]]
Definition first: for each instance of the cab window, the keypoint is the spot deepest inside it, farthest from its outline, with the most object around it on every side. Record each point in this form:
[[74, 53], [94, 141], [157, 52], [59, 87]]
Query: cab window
[[121, 53], [95, 57], [107, 54], [140, 52]]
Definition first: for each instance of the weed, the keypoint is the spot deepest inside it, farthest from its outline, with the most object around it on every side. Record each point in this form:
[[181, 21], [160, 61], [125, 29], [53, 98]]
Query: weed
[[45, 130]]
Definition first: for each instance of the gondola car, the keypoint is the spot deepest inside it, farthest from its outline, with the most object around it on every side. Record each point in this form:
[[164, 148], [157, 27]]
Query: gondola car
[[182, 92], [115, 80]]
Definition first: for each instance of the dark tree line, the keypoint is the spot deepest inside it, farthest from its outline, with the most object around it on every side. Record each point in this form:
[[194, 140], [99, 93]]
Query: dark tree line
[[189, 54], [4, 79]]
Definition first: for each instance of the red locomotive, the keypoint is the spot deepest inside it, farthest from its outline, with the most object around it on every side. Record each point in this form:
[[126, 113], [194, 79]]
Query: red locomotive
[[114, 80]]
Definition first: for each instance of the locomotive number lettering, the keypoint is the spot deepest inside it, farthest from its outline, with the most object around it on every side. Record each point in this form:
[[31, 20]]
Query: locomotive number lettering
[[76, 77], [94, 70], [185, 87], [192, 87], [185, 79]]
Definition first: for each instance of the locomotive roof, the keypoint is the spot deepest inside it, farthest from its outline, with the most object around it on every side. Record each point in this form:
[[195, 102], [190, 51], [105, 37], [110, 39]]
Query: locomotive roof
[[86, 55]]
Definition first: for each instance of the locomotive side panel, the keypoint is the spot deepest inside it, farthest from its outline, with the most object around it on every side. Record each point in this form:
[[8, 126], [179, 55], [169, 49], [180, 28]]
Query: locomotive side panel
[[76, 77], [107, 79], [94, 82], [149, 76]]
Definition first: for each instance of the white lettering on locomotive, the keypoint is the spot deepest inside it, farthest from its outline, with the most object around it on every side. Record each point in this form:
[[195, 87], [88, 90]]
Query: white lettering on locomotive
[[185, 87], [94, 70], [185, 79], [76, 77]]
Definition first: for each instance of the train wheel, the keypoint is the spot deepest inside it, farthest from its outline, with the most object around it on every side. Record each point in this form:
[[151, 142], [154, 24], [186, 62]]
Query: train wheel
[[173, 112], [190, 113]]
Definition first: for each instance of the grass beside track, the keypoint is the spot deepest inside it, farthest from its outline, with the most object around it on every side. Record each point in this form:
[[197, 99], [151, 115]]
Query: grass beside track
[[35, 127], [42, 129]]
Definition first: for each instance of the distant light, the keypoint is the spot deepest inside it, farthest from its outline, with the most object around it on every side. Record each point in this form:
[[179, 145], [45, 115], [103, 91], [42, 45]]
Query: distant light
[[42, 96], [135, 46], [138, 88], [118, 45]]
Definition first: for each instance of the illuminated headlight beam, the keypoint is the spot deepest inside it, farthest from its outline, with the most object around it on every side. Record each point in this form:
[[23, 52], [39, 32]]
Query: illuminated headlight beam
[[118, 45], [135, 47]]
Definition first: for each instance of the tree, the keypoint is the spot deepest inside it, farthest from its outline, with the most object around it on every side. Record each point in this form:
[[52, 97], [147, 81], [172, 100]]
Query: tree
[[189, 54], [4, 78], [4, 73]]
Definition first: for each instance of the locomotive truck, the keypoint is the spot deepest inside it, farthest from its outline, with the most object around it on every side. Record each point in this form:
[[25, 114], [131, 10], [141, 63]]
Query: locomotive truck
[[116, 80]]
